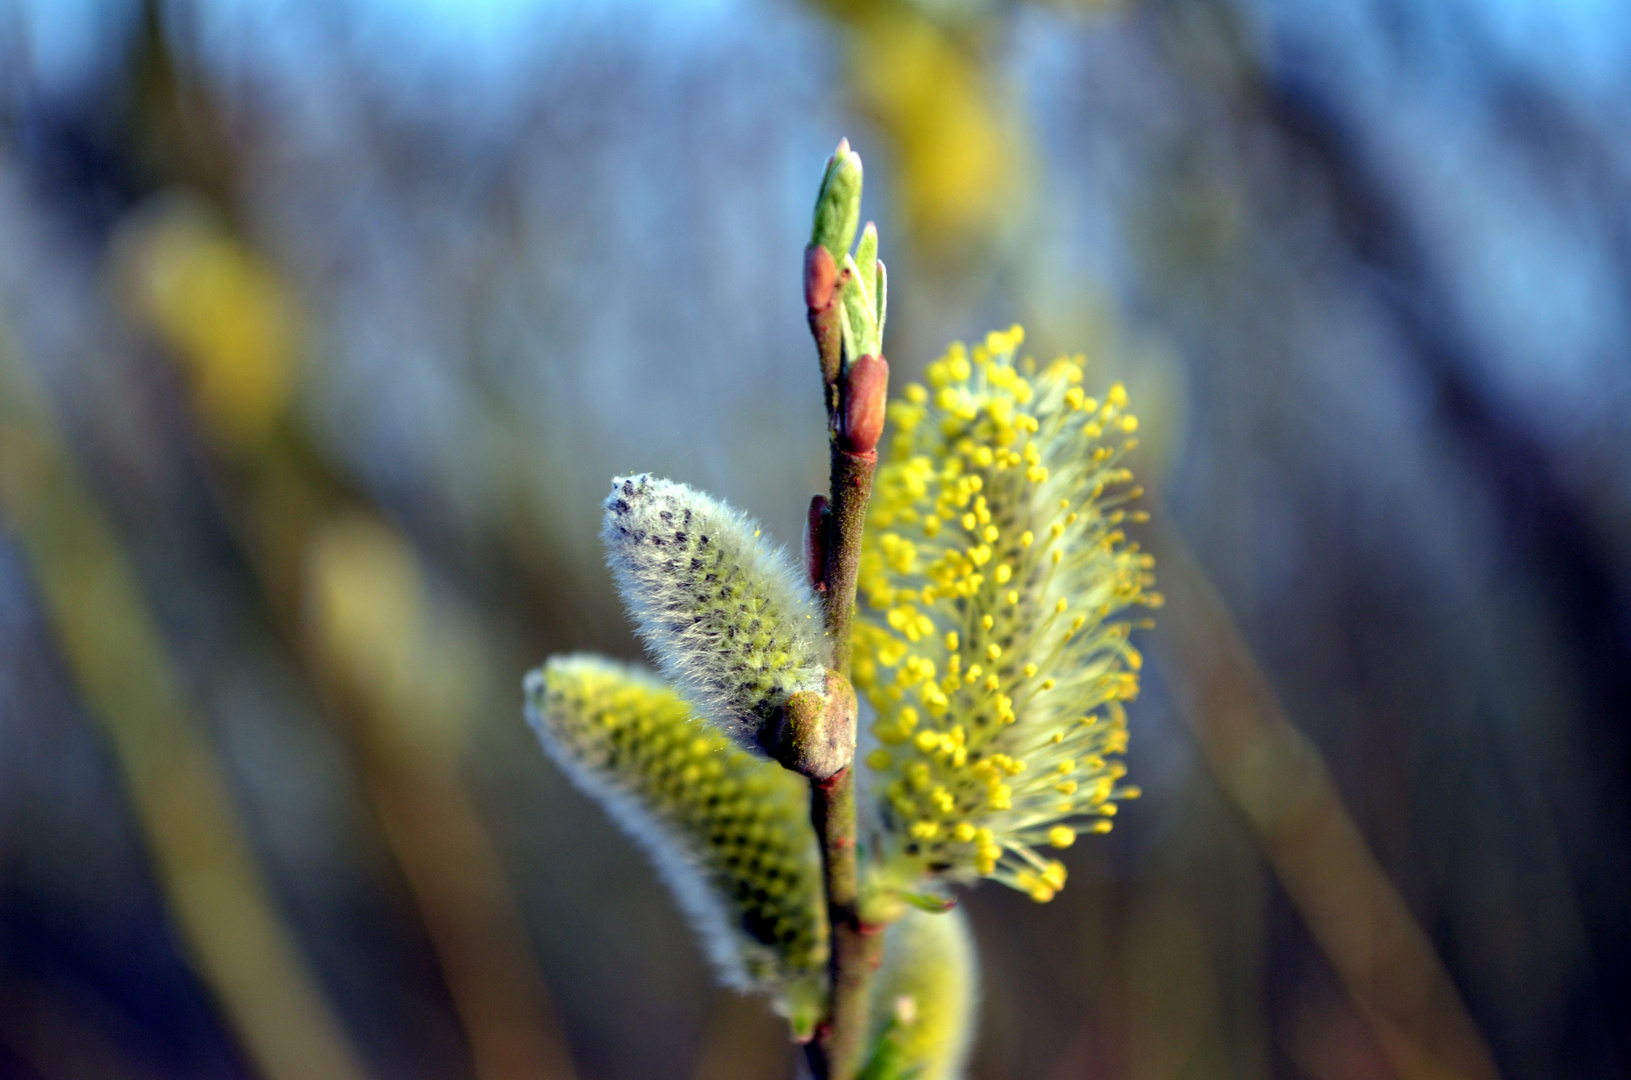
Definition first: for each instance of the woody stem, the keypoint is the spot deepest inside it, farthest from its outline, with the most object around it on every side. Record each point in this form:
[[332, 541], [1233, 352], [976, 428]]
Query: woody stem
[[837, 1051]]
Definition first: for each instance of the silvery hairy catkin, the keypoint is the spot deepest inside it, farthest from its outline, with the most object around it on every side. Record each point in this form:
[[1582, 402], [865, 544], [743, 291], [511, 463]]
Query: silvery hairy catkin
[[727, 618]]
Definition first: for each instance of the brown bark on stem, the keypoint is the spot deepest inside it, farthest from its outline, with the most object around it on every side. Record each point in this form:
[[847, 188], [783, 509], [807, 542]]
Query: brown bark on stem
[[838, 1049], [854, 393]]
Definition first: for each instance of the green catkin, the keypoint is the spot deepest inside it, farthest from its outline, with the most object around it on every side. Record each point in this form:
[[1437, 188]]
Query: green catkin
[[729, 832], [925, 997], [728, 619]]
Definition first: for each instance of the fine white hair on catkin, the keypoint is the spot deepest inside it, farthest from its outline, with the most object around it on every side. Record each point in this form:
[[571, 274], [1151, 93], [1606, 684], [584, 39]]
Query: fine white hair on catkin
[[726, 617]]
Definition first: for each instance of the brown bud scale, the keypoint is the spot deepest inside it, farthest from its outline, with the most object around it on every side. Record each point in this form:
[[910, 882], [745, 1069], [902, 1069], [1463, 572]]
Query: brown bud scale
[[866, 400]]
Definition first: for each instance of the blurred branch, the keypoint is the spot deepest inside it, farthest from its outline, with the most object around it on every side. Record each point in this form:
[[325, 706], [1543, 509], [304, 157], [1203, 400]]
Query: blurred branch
[[400, 680], [348, 594], [1278, 779], [218, 896]]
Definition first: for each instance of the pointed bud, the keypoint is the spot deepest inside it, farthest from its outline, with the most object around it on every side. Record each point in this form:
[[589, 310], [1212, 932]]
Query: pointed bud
[[698, 806], [838, 205], [866, 261], [866, 399], [815, 543], [882, 297]]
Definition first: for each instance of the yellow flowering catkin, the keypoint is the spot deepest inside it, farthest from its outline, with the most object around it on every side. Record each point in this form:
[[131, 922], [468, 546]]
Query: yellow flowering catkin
[[992, 569], [728, 831]]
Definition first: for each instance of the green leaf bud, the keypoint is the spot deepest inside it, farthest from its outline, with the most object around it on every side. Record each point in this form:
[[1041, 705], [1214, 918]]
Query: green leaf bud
[[866, 261], [881, 298], [728, 618], [838, 204], [862, 331], [730, 833]]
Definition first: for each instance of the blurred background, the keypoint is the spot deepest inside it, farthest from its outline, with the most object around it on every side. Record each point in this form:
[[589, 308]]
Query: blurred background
[[324, 323]]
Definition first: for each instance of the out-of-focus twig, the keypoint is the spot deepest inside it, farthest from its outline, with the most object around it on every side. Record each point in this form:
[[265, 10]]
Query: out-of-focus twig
[[401, 680], [1278, 779], [217, 894], [348, 593]]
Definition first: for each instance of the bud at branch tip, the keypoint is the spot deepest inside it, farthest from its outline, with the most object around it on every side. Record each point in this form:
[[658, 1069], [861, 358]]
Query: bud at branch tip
[[838, 205]]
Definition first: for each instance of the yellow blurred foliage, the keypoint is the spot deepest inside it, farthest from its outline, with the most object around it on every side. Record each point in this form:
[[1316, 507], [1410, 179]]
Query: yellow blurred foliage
[[367, 611], [222, 309], [961, 149]]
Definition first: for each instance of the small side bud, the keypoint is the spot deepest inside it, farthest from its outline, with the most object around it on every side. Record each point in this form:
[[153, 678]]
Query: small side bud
[[866, 400], [866, 260], [820, 277], [838, 205], [815, 543], [822, 285]]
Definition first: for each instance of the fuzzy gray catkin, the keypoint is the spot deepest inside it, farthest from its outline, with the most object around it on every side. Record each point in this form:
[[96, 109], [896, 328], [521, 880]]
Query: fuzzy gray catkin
[[726, 617], [729, 832]]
